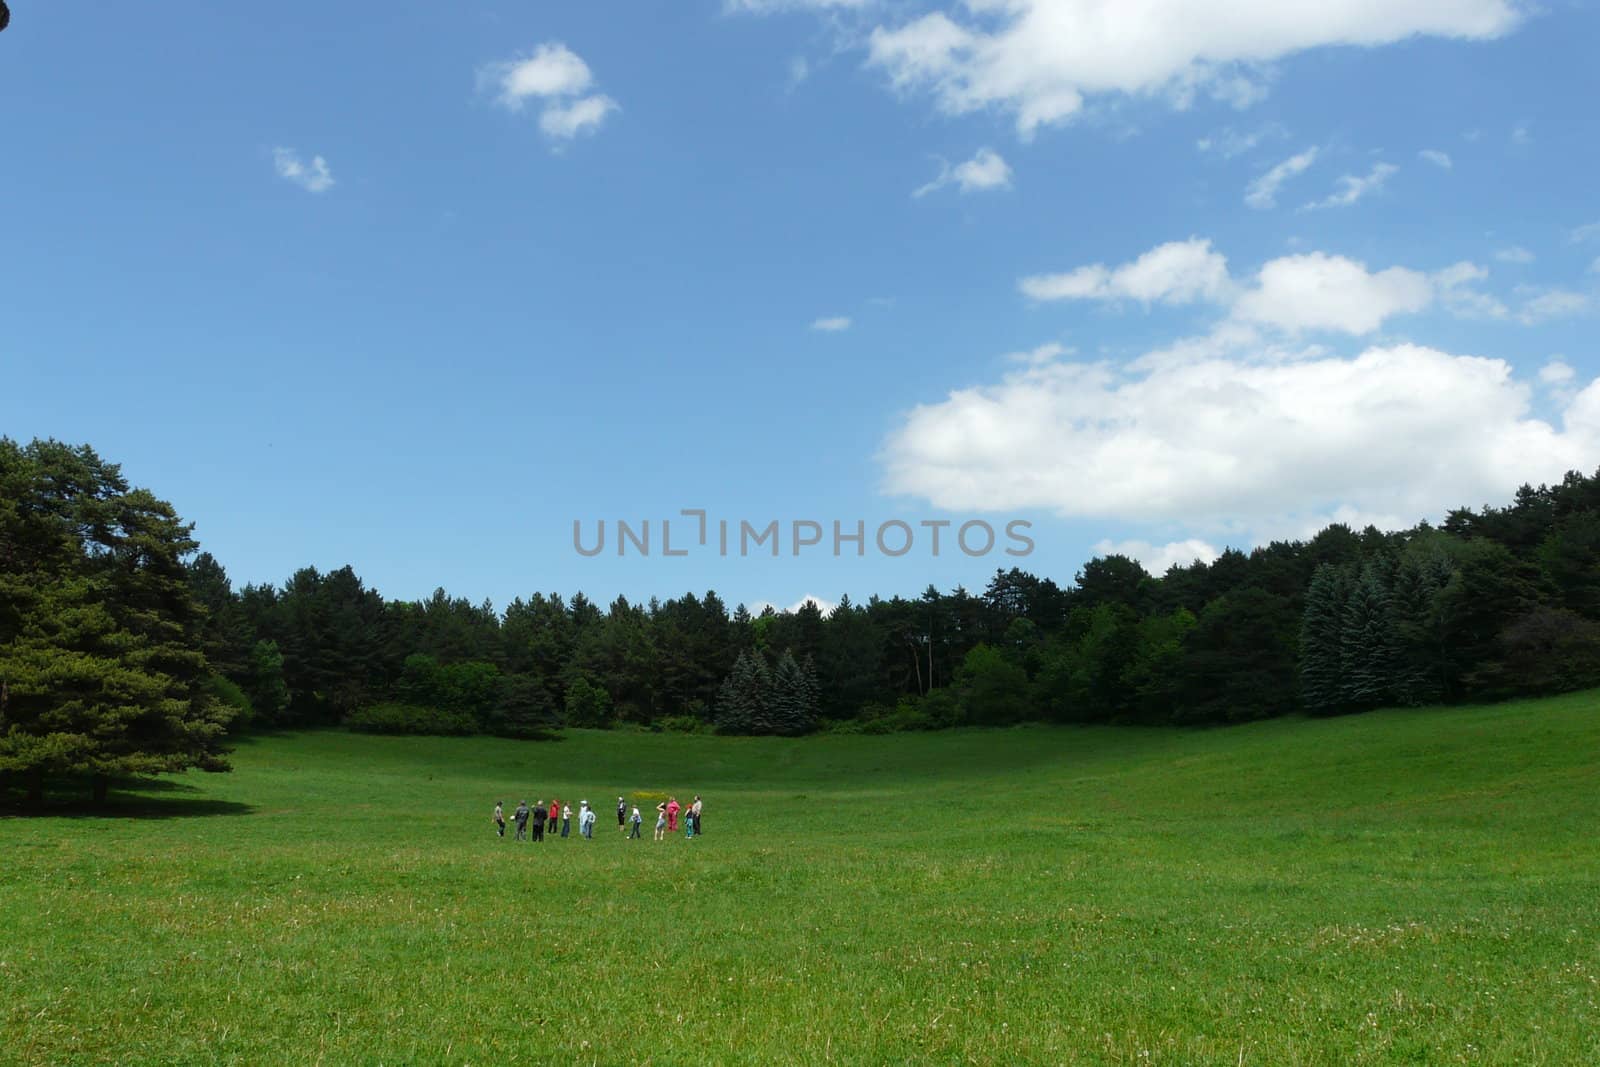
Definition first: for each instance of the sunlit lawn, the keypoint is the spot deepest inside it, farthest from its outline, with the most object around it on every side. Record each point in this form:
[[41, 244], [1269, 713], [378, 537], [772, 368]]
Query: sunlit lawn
[[1401, 887]]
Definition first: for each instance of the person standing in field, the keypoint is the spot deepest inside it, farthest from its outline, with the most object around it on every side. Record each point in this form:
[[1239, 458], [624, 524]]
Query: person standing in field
[[688, 825], [500, 818], [539, 814], [661, 821], [586, 821], [672, 815], [622, 810], [566, 819], [636, 819], [520, 816], [555, 813], [694, 813]]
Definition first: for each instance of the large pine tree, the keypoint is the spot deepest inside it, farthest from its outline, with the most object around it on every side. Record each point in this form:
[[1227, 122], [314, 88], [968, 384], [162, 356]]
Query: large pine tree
[[102, 672], [1322, 640]]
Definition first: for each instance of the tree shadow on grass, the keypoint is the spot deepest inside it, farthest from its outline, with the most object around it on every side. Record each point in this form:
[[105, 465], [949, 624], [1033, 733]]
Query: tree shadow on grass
[[143, 798]]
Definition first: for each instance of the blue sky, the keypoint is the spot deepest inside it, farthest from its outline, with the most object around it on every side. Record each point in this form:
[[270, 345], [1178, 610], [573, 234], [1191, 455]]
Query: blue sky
[[414, 287]]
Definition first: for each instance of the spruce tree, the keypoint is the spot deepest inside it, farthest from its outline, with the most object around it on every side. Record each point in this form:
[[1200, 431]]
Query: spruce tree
[[1370, 651], [1322, 640]]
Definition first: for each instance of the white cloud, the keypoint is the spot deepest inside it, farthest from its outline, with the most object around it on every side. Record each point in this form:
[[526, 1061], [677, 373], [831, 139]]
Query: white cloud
[[560, 79], [1040, 59], [756, 607], [1229, 143], [1436, 157], [553, 70], [1584, 233], [1158, 559], [566, 121], [986, 170], [1552, 304], [1352, 188], [1456, 288], [1317, 291], [1040, 354], [1263, 192], [832, 325], [1514, 254], [1556, 372], [1290, 296], [1236, 444], [313, 177], [1179, 272]]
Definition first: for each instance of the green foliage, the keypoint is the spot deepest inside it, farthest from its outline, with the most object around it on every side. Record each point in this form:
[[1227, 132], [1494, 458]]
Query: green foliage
[[410, 719], [102, 671], [588, 705], [230, 696], [993, 690], [263, 682]]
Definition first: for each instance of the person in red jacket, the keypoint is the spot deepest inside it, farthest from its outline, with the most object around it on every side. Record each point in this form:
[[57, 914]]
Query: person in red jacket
[[672, 815]]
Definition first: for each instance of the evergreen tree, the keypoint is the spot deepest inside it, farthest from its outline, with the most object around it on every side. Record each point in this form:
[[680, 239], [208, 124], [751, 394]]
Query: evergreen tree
[[1322, 630], [1369, 652], [102, 672]]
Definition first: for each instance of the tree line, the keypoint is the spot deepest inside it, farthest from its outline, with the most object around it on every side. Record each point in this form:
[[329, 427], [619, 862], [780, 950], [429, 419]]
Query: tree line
[[109, 614]]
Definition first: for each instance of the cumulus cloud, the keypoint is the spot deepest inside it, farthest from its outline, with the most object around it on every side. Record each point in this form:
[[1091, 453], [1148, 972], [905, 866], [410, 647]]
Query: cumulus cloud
[[1040, 59], [313, 177], [1351, 188], [1556, 372], [1317, 291], [1236, 444], [1436, 157], [556, 77], [984, 171], [1514, 254], [1179, 272], [1158, 559], [1312, 291], [832, 325], [566, 121], [1262, 193], [756, 607]]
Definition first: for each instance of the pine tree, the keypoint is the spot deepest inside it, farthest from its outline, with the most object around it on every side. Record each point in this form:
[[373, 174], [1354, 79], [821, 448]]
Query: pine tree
[[1322, 640], [788, 696], [102, 671], [1370, 650]]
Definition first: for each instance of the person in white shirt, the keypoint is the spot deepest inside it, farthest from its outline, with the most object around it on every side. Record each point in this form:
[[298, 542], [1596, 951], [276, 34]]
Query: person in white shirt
[[637, 819], [586, 821], [566, 819]]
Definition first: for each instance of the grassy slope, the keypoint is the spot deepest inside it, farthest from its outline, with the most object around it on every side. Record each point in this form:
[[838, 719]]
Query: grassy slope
[[1398, 887]]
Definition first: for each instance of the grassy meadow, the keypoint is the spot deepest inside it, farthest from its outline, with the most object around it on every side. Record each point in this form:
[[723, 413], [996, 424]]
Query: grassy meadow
[[1399, 887]]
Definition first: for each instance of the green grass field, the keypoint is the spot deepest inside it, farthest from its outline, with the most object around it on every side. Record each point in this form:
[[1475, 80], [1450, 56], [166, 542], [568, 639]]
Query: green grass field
[[1400, 887]]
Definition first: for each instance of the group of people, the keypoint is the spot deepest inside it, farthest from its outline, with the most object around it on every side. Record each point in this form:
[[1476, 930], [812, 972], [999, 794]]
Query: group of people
[[667, 813], [533, 823]]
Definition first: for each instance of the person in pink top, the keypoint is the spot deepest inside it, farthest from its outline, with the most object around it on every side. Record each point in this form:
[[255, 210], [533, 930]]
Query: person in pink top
[[672, 814]]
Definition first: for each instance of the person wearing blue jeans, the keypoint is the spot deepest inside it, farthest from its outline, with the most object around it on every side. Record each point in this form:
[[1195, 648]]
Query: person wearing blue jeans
[[637, 819]]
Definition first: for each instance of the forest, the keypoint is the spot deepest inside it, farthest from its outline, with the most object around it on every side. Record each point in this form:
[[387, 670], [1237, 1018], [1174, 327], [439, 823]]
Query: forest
[[125, 647]]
